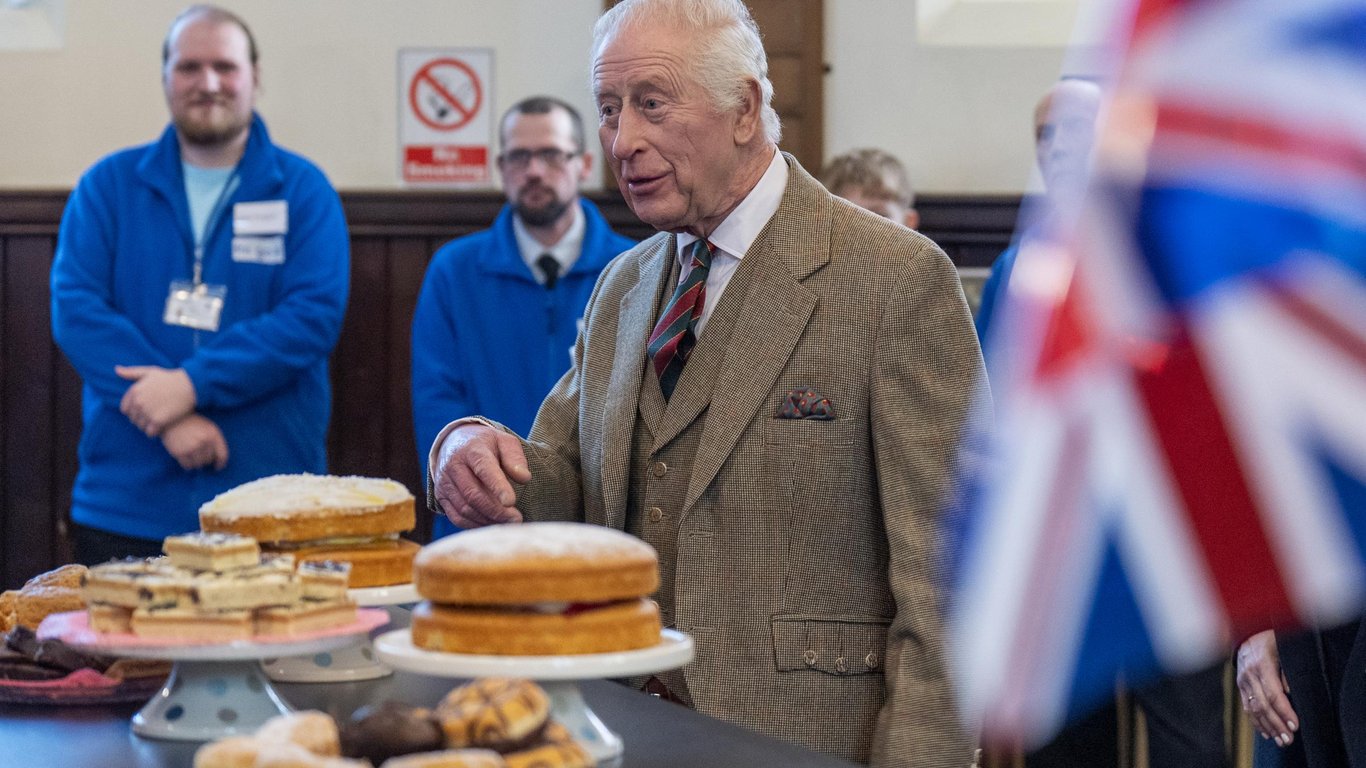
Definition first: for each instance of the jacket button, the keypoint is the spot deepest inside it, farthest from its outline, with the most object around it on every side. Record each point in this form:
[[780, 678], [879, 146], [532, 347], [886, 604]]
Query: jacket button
[[840, 666], [656, 514], [810, 658], [660, 468], [871, 660]]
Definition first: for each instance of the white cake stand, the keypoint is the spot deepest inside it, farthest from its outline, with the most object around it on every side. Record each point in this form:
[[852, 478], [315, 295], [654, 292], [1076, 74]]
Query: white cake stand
[[356, 661], [214, 689], [559, 675]]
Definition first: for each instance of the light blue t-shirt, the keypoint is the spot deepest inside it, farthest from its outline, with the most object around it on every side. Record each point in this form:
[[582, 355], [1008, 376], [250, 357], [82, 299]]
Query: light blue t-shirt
[[203, 187]]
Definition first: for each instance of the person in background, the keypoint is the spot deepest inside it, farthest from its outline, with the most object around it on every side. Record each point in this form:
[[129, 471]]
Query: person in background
[[1184, 714], [1064, 138], [498, 314], [875, 180], [1303, 692], [769, 392], [198, 288]]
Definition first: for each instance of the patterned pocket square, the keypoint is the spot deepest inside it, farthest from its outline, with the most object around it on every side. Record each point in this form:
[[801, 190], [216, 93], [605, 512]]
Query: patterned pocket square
[[806, 403]]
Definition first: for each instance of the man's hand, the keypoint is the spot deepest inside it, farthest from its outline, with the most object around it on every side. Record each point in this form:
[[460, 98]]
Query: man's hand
[[158, 398], [1263, 687], [476, 467], [196, 442]]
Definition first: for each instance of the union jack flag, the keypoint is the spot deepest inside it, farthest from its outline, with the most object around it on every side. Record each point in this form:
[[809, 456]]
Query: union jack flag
[[1179, 458]]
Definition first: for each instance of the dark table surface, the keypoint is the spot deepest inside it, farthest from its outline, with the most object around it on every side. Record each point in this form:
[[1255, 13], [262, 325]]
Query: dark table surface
[[656, 733]]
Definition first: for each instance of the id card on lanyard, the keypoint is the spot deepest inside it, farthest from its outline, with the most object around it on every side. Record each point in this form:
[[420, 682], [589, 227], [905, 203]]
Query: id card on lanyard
[[195, 304]]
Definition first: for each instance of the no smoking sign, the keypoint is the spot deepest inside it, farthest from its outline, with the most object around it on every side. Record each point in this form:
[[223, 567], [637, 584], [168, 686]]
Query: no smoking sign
[[445, 124], [445, 94]]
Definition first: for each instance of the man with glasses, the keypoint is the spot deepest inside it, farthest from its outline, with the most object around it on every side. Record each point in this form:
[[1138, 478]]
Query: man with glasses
[[499, 309]]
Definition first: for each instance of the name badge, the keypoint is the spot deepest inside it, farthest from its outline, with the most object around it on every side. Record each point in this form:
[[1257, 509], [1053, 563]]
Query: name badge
[[265, 217], [194, 306], [258, 250]]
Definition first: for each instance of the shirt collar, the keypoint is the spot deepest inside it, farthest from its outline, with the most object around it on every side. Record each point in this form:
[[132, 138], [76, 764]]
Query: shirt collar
[[566, 251], [741, 228]]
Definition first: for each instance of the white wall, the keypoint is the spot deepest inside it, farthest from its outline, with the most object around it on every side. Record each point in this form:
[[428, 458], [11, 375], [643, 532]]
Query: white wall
[[956, 110]]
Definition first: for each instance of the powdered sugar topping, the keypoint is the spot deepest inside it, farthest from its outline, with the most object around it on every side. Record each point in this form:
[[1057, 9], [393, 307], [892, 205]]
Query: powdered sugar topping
[[281, 494], [546, 540]]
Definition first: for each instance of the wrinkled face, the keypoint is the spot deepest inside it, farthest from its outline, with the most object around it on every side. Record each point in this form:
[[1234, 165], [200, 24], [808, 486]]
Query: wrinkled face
[[888, 207], [674, 156], [542, 167], [1066, 136], [210, 82]]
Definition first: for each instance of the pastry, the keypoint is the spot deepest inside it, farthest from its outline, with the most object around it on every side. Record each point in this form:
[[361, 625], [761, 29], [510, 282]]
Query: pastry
[[536, 589], [324, 517], [190, 624], [133, 583], [270, 582], [562, 755], [324, 579], [315, 731], [35, 603], [448, 758], [211, 551], [285, 754], [110, 619], [8, 600], [493, 713], [376, 563], [68, 576], [306, 616], [228, 752], [390, 729], [564, 630]]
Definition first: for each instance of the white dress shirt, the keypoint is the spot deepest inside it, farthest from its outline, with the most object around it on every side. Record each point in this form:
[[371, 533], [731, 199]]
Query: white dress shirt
[[732, 239]]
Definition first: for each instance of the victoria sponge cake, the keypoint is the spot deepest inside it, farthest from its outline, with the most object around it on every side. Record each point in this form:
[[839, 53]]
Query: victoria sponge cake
[[324, 517], [536, 589]]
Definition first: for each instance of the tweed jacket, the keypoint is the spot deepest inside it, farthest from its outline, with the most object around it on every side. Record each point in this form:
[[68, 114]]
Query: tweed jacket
[[804, 568]]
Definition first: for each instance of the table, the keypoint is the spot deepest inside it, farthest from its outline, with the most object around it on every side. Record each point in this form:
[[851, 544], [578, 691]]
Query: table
[[657, 734]]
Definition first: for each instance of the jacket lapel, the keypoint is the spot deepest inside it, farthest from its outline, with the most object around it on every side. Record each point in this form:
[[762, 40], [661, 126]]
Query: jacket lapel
[[634, 322], [775, 311]]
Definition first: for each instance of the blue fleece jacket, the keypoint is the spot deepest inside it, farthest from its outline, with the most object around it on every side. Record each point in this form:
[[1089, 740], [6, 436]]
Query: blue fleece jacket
[[261, 377], [487, 338]]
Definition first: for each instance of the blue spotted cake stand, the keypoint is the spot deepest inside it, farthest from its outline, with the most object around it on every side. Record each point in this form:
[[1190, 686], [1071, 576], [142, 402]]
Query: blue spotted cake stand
[[558, 675], [356, 661], [214, 689]]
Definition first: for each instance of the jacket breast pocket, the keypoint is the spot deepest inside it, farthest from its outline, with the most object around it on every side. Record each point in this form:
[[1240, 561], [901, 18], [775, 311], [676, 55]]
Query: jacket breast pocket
[[834, 645], [811, 433]]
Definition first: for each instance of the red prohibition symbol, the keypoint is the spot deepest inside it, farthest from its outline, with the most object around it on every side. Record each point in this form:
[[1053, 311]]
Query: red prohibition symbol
[[445, 94]]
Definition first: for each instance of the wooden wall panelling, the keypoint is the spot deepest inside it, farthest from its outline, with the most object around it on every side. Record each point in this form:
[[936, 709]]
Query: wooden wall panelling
[[794, 39], [28, 391], [360, 366], [408, 257], [6, 373]]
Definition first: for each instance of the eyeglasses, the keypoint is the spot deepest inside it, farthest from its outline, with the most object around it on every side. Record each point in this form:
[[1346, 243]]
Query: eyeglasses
[[550, 157]]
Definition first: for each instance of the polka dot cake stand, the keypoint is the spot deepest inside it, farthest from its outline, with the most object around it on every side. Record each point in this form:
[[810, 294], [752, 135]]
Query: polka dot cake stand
[[559, 675], [356, 661], [215, 689]]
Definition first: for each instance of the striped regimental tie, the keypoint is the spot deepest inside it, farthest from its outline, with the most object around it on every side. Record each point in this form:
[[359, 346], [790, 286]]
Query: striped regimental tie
[[676, 332]]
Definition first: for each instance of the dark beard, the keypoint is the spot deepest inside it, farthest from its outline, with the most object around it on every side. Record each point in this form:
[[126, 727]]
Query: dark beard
[[543, 215], [210, 137]]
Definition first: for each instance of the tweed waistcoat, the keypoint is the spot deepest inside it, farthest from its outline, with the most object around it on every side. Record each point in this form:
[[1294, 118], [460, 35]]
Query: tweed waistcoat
[[663, 445]]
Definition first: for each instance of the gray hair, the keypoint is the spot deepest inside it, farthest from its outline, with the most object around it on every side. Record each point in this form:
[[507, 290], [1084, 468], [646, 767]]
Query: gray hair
[[731, 52]]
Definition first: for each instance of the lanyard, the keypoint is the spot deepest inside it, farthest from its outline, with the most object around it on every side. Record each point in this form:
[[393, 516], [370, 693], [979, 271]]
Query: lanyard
[[215, 213]]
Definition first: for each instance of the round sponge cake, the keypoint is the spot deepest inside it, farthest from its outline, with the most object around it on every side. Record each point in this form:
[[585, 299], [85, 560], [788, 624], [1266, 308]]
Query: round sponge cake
[[292, 508], [526, 563], [536, 589]]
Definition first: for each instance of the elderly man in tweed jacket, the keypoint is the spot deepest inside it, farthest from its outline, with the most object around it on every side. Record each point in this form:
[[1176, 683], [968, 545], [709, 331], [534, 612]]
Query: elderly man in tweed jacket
[[769, 391]]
